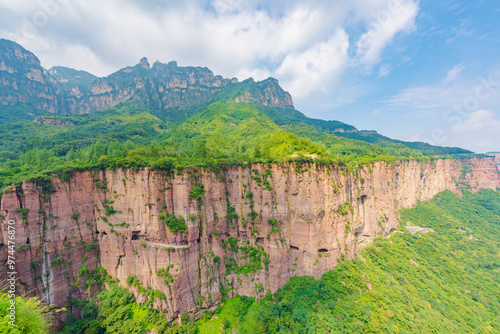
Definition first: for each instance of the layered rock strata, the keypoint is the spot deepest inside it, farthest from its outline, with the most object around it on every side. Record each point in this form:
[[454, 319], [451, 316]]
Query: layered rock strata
[[247, 229]]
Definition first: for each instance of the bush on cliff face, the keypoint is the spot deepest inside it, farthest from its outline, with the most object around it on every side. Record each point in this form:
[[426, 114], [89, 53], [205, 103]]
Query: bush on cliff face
[[447, 281], [197, 192], [175, 224], [31, 316]]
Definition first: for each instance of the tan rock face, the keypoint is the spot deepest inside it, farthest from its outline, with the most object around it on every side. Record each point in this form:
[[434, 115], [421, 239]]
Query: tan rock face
[[497, 159], [251, 230], [162, 86]]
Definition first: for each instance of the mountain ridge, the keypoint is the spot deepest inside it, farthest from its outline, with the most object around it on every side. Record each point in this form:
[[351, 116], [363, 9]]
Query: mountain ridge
[[176, 96], [162, 86]]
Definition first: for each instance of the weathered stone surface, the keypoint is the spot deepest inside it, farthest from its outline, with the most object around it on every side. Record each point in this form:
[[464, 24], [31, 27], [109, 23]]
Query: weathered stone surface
[[314, 228], [23, 79], [163, 86], [497, 159]]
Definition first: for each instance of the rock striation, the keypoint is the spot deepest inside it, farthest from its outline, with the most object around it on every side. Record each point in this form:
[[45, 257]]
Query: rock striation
[[196, 236], [497, 159]]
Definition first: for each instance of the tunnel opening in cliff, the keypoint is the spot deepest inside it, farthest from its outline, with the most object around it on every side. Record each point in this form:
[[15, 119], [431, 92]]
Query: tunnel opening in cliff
[[372, 208]]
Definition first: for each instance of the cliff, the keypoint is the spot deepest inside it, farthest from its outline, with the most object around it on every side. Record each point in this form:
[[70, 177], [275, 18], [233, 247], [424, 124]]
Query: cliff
[[190, 238], [24, 80], [163, 86], [497, 159]]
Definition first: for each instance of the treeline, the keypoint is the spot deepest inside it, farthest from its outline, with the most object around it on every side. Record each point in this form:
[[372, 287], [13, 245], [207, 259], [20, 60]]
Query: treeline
[[219, 135]]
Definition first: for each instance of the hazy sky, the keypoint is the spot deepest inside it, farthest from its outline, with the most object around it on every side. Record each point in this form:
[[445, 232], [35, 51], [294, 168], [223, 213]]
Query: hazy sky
[[413, 70]]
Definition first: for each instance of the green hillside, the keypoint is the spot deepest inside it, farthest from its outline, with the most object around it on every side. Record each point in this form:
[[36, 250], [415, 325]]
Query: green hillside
[[214, 134], [18, 113], [445, 281]]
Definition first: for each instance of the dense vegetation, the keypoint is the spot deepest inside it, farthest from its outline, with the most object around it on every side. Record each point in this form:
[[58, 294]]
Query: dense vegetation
[[32, 316], [115, 311], [18, 113], [447, 281], [213, 135]]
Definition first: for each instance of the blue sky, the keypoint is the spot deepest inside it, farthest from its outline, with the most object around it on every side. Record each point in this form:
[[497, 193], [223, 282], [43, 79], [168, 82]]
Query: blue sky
[[412, 70]]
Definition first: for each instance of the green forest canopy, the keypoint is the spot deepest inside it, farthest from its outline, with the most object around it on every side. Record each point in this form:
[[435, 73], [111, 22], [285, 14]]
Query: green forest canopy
[[218, 133]]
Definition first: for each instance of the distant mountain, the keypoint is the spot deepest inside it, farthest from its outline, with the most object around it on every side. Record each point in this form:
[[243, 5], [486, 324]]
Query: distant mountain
[[174, 95], [24, 80], [70, 79], [67, 91]]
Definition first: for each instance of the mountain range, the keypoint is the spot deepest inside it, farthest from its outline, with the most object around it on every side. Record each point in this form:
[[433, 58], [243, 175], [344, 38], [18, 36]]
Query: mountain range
[[162, 193], [172, 94]]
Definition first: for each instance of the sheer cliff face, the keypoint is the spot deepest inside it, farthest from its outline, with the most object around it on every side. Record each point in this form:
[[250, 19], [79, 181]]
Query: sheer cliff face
[[250, 231], [162, 86]]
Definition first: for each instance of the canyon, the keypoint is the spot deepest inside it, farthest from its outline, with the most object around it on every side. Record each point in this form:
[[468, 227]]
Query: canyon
[[184, 240]]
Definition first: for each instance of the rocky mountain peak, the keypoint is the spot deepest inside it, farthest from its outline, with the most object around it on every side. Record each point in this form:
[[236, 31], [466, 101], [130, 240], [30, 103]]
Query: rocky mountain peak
[[144, 63], [23, 80], [163, 86], [267, 92], [11, 52]]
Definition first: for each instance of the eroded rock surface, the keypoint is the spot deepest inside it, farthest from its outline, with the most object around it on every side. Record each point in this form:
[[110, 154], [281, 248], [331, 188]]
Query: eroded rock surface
[[249, 232]]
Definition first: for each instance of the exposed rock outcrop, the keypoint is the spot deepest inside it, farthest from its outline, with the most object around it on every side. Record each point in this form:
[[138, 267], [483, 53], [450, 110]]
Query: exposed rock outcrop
[[24, 80], [266, 93], [497, 159], [163, 86], [249, 232]]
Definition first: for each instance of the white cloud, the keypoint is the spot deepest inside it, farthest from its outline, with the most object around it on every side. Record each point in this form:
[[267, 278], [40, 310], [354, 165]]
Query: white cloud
[[452, 74], [287, 39], [398, 16], [478, 120], [463, 94], [315, 68], [460, 113], [417, 137], [384, 70]]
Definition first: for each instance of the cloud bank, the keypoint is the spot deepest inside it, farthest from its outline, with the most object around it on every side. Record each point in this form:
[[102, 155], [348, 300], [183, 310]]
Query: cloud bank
[[307, 46]]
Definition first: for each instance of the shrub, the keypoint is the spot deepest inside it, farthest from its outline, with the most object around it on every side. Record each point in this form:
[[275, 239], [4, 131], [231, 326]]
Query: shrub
[[56, 262], [175, 224], [197, 192], [31, 315]]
